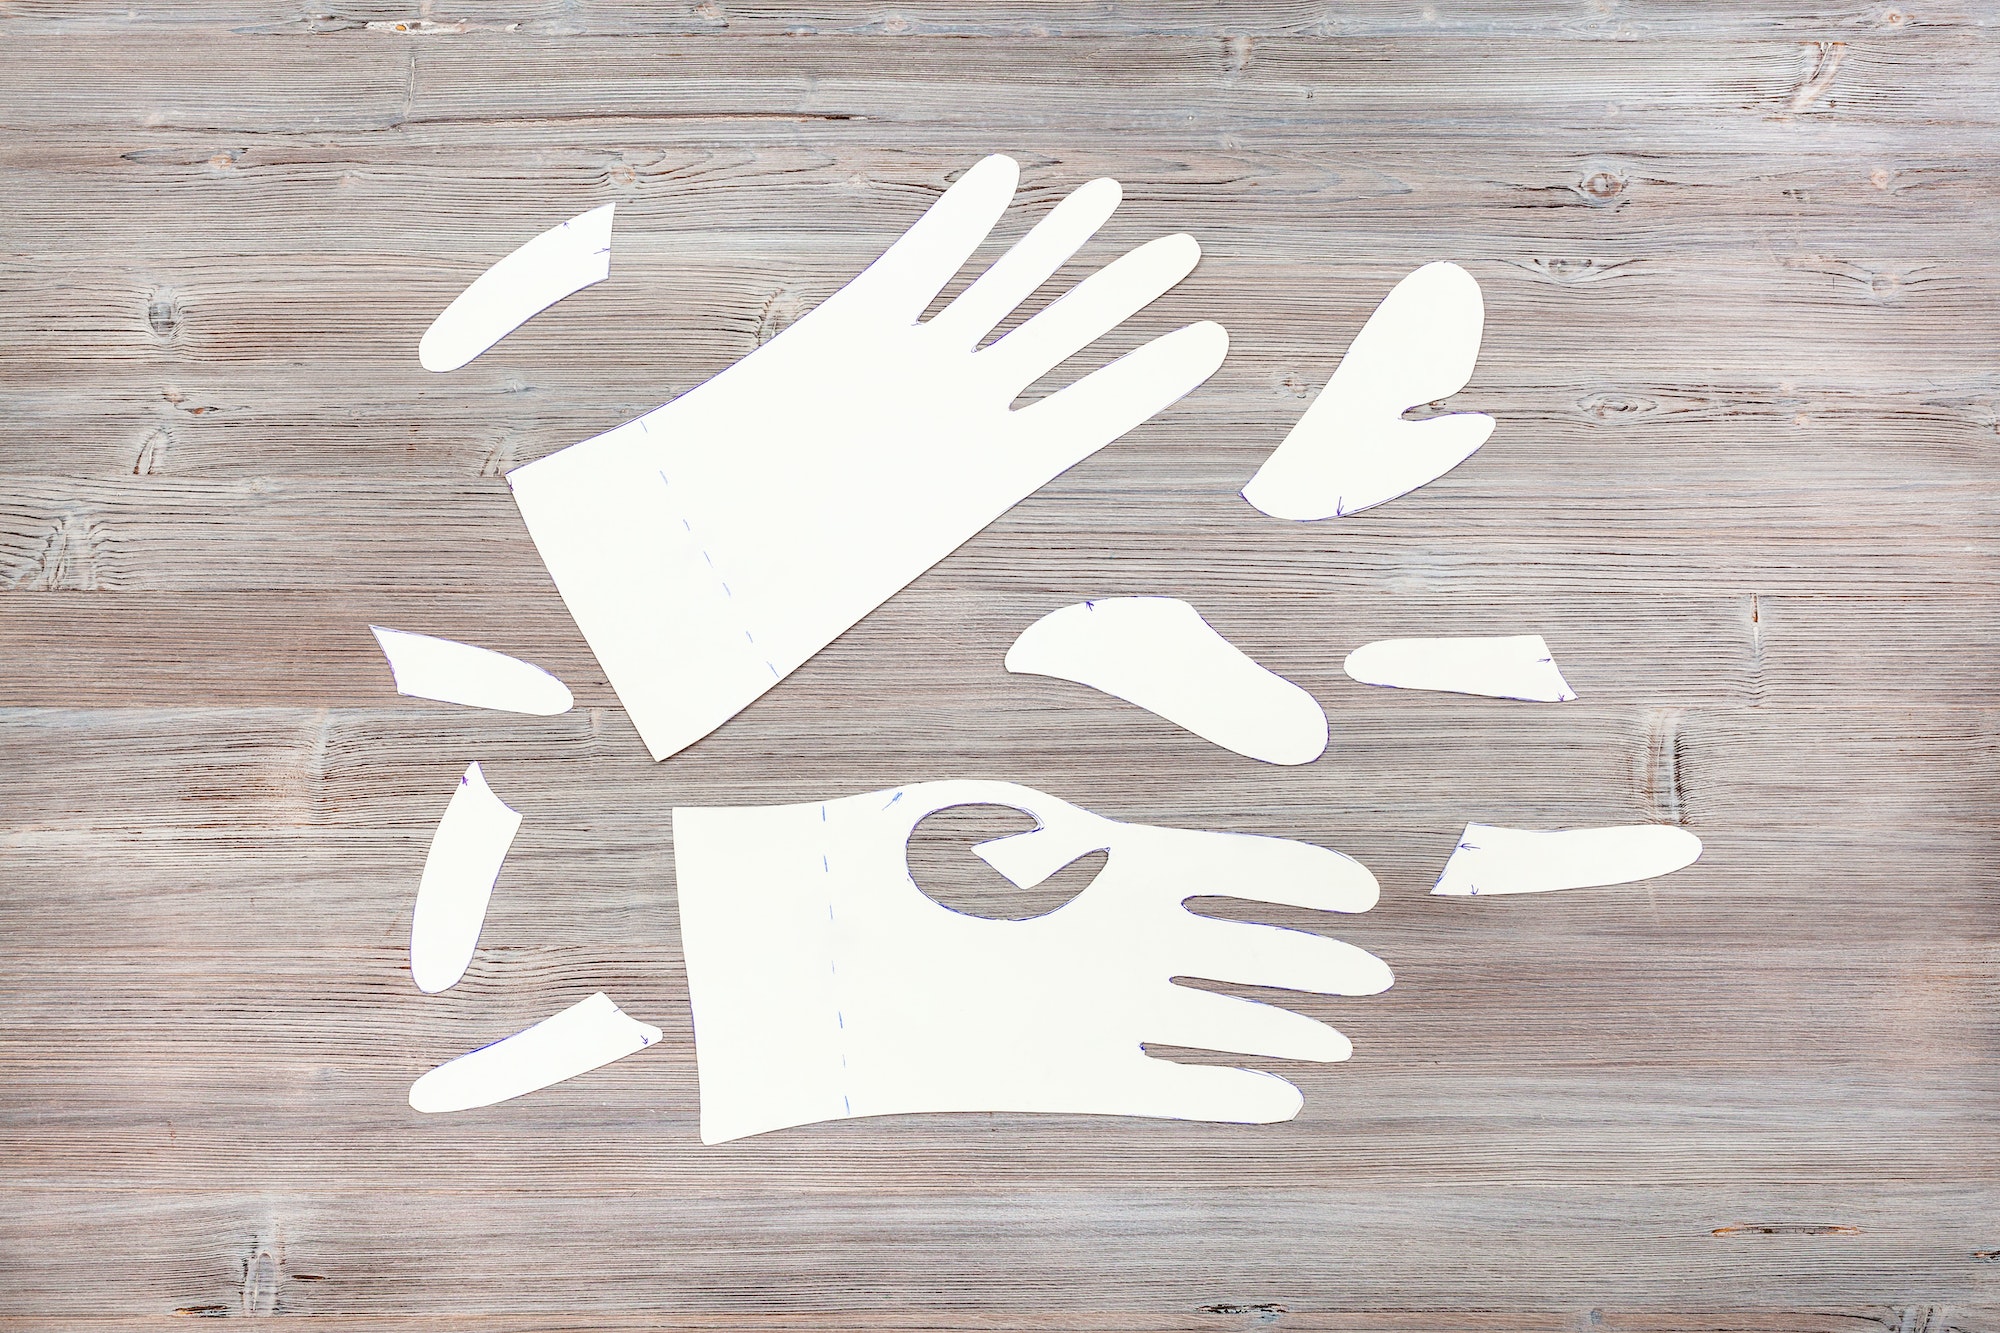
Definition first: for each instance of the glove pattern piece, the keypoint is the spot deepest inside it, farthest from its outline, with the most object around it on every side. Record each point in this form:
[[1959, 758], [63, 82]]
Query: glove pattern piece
[[825, 984]]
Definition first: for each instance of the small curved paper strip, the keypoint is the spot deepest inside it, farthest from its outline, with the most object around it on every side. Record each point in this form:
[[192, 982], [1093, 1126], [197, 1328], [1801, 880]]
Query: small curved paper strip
[[564, 259], [583, 1037], [1491, 861], [1352, 450], [1517, 666], [466, 852], [1158, 653], [458, 673]]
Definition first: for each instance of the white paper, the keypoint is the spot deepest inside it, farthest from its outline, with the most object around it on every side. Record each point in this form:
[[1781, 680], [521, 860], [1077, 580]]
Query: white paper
[[1518, 666], [825, 984], [1158, 653], [466, 852], [709, 548], [1352, 450], [587, 1035], [564, 259], [458, 673], [1490, 861]]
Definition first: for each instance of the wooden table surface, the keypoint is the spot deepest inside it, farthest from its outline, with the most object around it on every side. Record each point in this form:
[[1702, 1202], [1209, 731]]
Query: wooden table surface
[[1742, 275]]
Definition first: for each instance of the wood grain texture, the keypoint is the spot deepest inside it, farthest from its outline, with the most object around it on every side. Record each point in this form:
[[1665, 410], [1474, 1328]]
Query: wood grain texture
[[1743, 290]]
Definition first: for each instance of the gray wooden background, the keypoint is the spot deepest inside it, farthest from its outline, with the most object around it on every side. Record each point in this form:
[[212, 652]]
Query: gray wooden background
[[1742, 274]]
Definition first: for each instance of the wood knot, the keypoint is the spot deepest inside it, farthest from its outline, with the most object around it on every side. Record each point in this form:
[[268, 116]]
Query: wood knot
[[1610, 406], [1601, 187], [163, 315], [708, 11]]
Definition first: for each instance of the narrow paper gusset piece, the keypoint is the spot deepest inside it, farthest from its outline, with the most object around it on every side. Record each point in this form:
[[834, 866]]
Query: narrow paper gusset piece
[[588, 1035], [564, 259], [710, 547], [1352, 450], [1490, 861], [1158, 653], [1517, 666], [825, 984], [466, 853], [458, 673]]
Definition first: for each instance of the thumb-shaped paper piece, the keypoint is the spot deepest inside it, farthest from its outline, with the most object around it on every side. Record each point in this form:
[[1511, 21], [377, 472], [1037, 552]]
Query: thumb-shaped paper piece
[[466, 852], [1352, 450], [583, 1037], [564, 259], [1491, 861], [458, 673], [1158, 653]]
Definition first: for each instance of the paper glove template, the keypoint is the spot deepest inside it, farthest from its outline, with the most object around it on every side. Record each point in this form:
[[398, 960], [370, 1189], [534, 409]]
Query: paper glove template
[[710, 547], [825, 984], [1352, 450], [1158, 653]]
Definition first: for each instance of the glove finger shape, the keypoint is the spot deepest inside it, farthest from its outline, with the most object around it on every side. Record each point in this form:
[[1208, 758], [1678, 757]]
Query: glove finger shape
[[1032, 261], [824, 984], [1054, 433], [911, 273], [1215, 1092], [1205, 1021], [1091, 309], [1251, 955]]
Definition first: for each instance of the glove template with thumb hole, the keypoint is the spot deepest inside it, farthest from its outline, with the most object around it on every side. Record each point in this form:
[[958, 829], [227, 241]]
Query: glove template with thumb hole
[[825, 984], [709, 548]]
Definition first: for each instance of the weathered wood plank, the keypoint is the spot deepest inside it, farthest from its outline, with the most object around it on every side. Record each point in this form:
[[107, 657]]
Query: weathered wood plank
[[1741, 282]]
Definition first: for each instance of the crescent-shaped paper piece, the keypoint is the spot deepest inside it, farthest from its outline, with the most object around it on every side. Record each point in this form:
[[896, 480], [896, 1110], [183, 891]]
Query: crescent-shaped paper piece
[[1158, 653], [1352, 450], [564, 259], [1518, 666], [588, 1035], [458, 673], [1490, 861], [467, 850]]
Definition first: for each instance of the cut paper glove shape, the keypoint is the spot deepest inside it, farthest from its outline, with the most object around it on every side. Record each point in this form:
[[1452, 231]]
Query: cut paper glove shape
[[1491, 861], [709, 548], [1158, 653], [466, 852], [1518, 666], [825, 984], [588, 1035], [1352, 450], [458, 673], [562, 260]]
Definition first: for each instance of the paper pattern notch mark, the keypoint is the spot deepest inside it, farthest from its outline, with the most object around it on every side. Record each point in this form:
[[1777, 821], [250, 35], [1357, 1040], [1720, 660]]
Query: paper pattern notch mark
[[561, 261], [466, 853], [710, 547], [1518, 666], [825, 984], [459, 673], [1159, 653], [1353, 449], [1491, 861], [588, 1035]]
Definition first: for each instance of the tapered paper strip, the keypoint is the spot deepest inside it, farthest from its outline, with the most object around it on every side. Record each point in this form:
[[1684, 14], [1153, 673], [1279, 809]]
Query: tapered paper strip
[[1158, 653], [825, 984], [466, 852], [458, 673], [562, 260], [1518, 666], [587, 1035], [1352, 449], [709, 548], [1490, 861]]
